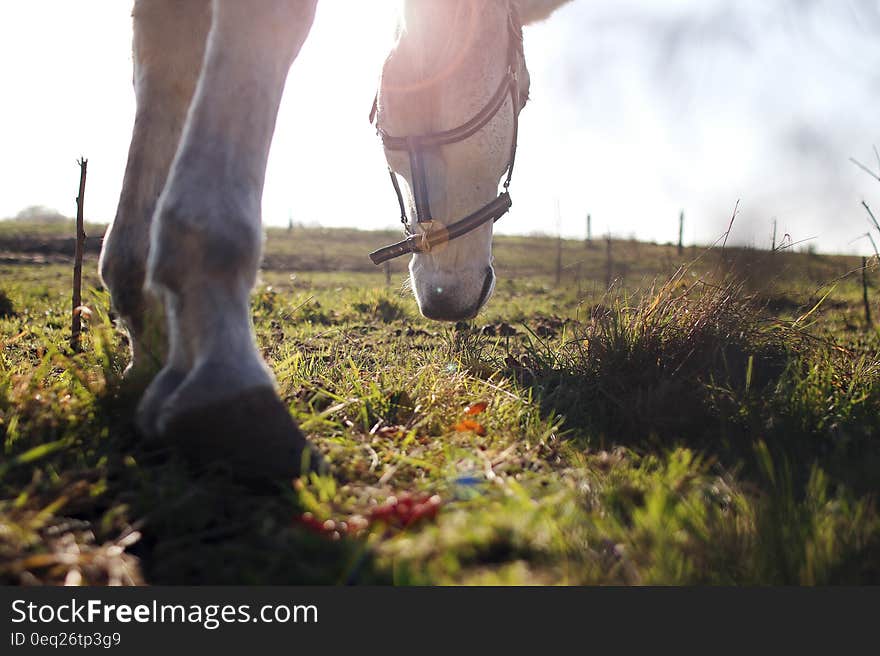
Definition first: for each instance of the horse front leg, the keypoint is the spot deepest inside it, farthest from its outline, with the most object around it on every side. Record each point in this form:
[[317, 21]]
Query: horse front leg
[[216, 396], [168, 48]]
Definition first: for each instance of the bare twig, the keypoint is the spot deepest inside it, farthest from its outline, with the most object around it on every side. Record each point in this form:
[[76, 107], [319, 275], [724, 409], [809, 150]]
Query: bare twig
[[808, 335], [865, 168], [730, 225], [790, 244], [836, 280], [871, 214], [76, 323], [871, 239], [874, 245]]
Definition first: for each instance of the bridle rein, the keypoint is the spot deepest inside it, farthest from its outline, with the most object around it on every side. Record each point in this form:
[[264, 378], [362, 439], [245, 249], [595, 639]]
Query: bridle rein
[[415, 146]]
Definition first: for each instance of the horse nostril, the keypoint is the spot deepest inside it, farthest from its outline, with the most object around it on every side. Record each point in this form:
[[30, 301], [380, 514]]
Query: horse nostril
[[441, 309], [446, 304], [488, 283]]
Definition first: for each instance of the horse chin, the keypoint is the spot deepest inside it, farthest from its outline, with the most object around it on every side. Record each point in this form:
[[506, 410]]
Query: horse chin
[[452, 296]]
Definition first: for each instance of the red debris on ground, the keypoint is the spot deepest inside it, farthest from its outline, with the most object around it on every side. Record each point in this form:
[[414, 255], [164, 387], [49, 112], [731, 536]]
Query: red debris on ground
[[406, 509], [466, 425], [401, 511], [476, 408]]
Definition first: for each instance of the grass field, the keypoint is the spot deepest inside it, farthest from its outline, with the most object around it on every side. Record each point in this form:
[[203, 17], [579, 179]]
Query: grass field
[[712, 418]]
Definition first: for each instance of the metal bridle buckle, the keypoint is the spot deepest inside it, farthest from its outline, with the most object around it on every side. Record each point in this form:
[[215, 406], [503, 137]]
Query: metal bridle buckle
[[425, 240]]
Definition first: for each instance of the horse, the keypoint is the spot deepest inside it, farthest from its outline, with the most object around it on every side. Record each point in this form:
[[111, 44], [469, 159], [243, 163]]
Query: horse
[[181, 256]]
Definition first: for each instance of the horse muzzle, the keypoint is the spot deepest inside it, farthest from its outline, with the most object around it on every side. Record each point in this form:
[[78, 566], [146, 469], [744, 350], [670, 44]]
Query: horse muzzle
[[453, 297]]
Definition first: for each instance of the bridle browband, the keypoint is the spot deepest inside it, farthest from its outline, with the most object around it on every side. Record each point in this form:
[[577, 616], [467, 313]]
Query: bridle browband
[[414, 145]]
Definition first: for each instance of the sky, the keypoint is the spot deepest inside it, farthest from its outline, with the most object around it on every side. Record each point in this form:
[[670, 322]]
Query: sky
[[639, 109]]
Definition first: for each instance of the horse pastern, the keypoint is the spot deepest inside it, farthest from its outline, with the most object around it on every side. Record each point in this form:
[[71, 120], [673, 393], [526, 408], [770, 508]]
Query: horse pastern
[[155, 398]]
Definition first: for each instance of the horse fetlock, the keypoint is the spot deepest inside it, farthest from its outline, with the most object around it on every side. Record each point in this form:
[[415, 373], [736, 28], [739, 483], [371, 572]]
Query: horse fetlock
[[122, 267], [185, 247]]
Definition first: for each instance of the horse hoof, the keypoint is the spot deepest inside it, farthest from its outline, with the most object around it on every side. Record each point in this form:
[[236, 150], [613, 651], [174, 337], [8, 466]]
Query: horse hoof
[[250, 435]]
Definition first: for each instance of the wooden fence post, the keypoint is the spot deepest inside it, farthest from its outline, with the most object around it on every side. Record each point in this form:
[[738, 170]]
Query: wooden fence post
[[558, 260], [609, 263], [558, 244], [681, 232]]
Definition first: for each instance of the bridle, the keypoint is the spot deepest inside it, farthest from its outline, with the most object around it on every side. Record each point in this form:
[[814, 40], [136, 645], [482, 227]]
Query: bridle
[[415, 145]]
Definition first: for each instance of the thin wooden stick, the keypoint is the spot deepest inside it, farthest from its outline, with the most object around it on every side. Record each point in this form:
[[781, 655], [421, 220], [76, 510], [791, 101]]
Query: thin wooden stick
[[76, 324]]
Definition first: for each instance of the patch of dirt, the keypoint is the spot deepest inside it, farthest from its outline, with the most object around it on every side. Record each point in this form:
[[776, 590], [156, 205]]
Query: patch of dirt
[[550, 326], [47, 246], [502, 329], [7, 257], [7, 309]]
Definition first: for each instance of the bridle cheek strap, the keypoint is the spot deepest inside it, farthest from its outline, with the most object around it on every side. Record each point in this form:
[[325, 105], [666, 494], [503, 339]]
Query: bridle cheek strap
[[420, 181]]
